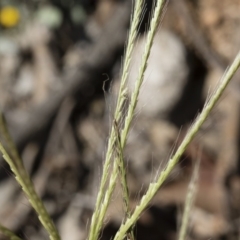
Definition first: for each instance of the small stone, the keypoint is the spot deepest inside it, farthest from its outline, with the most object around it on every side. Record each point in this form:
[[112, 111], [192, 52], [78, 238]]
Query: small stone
[[165, 76]]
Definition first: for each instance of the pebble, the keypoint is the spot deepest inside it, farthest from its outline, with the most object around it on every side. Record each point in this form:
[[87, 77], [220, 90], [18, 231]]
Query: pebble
[[165, 76]]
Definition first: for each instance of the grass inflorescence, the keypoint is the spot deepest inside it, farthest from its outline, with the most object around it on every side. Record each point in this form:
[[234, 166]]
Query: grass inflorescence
[[114, 164]]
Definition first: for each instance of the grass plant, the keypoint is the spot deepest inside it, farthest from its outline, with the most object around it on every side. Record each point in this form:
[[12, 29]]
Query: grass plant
[[24, 180], [114, 166], [191, 193], [9, 234], [122, 96]]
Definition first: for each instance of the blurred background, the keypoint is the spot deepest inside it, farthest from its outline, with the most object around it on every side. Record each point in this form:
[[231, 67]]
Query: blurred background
[[55, 57]]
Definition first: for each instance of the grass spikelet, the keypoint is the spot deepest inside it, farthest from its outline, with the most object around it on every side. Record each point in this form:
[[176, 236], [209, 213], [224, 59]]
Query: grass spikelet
[[121, 98], [123, 178], [8, 233], [133, 102], [10, 145], [192, 189], [102, 208], [149, 42], [153, 187], [25, 182]]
